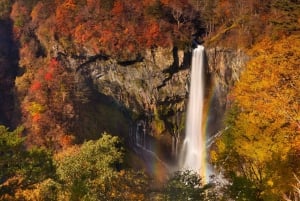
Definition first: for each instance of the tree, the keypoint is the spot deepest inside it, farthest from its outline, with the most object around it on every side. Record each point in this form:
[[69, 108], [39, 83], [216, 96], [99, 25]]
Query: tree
[[93, 172], [264, 123], [284, 17], [48, 104], [5, 7], [188, 185], [21, 169]]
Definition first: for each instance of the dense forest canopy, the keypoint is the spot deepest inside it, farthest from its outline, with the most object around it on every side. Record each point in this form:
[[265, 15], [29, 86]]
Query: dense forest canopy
[[261, 145], [46, 153]]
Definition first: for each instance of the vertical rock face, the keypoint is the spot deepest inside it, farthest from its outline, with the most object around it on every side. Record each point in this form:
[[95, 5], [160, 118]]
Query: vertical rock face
[[225, 66], [140, 85], [154, 89]]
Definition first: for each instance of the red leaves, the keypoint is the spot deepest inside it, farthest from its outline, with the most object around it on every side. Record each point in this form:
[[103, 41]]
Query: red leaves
[[66, 140], [125, 25], [65, 13], [152, 34], [35, 86], [118, 8], [36, 117], [48, 76], [48, 106], [53, 63]]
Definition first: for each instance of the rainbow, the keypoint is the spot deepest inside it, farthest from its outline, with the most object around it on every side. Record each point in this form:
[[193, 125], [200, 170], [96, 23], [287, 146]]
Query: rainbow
[[208, 108]]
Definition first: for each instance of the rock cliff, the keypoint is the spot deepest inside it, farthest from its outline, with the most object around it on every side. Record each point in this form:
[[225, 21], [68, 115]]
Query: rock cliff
[[224, 66], [153, 88]]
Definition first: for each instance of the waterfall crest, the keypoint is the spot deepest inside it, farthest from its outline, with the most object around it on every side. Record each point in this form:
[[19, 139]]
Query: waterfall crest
[[193, 153]]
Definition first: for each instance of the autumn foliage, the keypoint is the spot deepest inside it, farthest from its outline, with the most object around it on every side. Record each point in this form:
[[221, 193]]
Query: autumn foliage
[[116, 28], [47, 106], [109, 29], [258, 153], [261, 145]]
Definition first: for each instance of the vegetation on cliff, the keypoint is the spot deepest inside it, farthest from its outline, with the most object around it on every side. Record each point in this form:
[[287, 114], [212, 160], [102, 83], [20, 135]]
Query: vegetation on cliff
[[40, 90], [94, 170], [259, 151]]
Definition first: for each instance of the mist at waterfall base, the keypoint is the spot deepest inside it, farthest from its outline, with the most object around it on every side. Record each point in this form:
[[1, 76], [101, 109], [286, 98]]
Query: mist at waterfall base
[[149, 150], [193, 151], [203, 124]]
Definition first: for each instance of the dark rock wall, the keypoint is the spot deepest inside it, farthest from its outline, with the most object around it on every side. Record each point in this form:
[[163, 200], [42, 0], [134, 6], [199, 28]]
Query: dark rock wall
[[225, 66], [154, 88], [8, 71]]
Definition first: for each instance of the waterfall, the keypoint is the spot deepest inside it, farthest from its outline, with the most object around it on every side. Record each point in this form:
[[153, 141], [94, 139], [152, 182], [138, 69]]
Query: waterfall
[[145, 145], [193, 153]]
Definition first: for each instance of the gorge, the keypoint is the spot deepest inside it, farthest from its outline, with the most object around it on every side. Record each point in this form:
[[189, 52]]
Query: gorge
[[116, 100]]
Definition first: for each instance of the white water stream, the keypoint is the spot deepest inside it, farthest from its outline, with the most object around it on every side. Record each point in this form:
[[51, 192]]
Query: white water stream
[[193, 154]]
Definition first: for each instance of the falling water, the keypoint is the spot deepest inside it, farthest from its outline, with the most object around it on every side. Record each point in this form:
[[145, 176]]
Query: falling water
[[193, 151]]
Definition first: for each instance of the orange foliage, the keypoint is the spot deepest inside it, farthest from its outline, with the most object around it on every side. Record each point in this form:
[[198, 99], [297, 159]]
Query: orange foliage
[[166, 1], [118, 8], [125, 25], [148, 2], [48, 105], [36, 117], [18, 11], [226, 8], [20, 16], [262, 132], [26, 54], [48, 76], [79, 34], [64, 16], [91, 3], [35, 86], [86, 32], [152, 34], [106, 36], [66, 141], [36, 12], [179, 3], [53, 63]]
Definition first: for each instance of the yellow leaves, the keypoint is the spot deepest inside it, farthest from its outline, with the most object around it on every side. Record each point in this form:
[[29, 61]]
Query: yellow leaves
[[35, 108], [68, 152], [213, 156], [28, 194], [221, 146], [258, 138], [265, 131], [271, 81], [37, 192], [158, 124], [122, 173]]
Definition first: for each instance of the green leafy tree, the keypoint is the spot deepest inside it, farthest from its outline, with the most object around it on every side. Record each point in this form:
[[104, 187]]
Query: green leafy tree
[[20, 169], [188, 185], [93, 172]]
